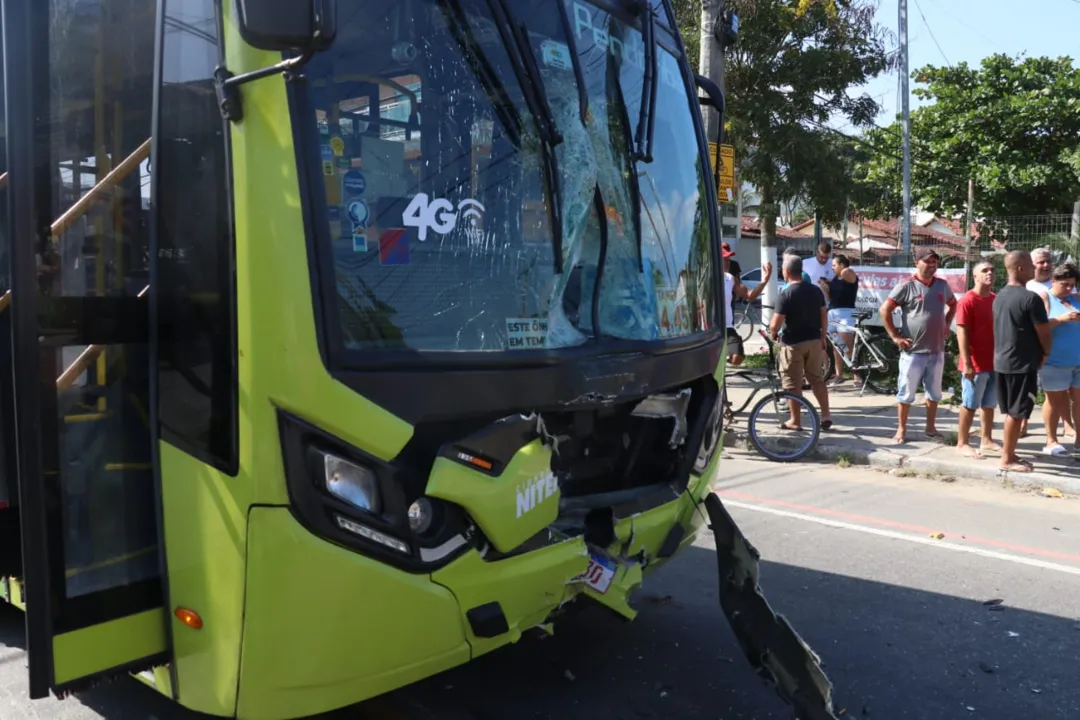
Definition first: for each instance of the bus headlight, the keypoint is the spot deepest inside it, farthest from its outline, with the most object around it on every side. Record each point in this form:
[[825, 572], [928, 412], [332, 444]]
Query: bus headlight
[[355, 485]]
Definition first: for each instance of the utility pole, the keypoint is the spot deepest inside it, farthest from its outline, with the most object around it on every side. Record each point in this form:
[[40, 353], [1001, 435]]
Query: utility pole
[[720, 30], [1074, 231], [970, 264], [906, 111], [843, 230], [711, 60]]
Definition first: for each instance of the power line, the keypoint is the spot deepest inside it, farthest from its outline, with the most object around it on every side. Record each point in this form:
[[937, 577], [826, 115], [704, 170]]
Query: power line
[[931, 31], [863, 141]]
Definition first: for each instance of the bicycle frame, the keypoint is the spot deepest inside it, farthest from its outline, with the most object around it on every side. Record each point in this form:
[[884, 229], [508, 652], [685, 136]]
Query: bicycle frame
[[861, 336], [769, 383]]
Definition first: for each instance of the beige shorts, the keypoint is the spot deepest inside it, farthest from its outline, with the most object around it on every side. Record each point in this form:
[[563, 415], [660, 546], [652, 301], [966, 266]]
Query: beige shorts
[[801, 360]]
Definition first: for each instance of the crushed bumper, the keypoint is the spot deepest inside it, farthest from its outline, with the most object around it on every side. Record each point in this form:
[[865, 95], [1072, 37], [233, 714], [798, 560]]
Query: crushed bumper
[[771, 645]]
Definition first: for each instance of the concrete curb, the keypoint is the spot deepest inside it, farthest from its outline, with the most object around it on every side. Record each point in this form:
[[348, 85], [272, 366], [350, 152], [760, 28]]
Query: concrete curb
[[985, 470]]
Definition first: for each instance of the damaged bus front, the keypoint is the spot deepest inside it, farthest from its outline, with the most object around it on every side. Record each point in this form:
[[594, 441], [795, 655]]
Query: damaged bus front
[[516, 253], [515, 250], [419, 340]]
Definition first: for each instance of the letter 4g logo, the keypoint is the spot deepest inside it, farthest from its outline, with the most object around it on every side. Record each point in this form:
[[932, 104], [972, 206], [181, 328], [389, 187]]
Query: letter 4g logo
[[438, 214]]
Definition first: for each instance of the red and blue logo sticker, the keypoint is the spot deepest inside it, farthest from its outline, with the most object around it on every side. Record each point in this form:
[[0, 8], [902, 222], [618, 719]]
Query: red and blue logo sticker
[[394, 247]]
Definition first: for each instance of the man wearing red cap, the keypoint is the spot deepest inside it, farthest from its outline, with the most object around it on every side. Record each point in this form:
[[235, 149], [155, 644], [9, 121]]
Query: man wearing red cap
[[733, 288]]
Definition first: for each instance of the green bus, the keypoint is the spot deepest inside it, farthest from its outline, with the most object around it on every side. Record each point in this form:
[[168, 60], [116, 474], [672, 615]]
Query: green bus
[[345, 342]]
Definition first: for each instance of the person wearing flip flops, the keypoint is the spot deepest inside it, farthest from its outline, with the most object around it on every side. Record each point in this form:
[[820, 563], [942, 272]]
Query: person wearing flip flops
[[801, 313], [1022, 342], [975, 338], [1060, 374], [927, 306]]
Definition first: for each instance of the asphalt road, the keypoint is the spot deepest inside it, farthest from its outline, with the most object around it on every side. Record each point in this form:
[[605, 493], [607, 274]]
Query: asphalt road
[[851, 556]]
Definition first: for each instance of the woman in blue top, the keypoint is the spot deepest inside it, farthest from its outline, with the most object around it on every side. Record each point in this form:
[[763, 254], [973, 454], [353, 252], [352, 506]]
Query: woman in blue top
[[1060, 374]]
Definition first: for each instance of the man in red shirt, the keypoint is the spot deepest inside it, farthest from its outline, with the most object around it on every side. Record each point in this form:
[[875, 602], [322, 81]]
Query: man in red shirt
[[975, 336]]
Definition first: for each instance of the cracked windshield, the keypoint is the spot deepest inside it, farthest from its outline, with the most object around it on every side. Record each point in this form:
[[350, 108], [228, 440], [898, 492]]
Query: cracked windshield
[[506, 177]]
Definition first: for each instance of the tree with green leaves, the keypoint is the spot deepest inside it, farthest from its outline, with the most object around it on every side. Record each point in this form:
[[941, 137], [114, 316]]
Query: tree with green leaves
[[787, 77], [1011, 125]]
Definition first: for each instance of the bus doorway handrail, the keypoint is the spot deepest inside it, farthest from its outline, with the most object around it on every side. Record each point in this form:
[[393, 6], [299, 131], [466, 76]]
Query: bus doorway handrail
[[65, 221], [111, 180], [86, 357]]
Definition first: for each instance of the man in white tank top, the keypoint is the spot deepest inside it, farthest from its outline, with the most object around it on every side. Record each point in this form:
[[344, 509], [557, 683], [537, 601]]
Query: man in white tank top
[[1044, 270]]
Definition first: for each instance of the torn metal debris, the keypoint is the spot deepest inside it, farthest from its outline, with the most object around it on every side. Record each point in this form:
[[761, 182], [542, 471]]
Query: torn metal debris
[[668, 405], [771, 645]]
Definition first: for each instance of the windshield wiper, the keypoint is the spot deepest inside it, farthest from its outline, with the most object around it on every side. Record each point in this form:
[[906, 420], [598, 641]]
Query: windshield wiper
[[644, 140], [634, 181], [575, 62], [486, 74], [523, 62]]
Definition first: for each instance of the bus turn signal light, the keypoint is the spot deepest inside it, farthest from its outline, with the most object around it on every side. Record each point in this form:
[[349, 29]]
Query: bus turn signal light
[[475, 461], [189, 618]]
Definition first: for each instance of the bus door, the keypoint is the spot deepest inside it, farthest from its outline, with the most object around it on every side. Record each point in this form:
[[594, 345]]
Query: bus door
[[77, 117]]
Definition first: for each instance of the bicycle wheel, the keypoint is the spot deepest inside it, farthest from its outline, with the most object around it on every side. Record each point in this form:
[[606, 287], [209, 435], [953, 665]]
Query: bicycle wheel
[[881, 374], [780, 444], [828, 365], [744, 322]]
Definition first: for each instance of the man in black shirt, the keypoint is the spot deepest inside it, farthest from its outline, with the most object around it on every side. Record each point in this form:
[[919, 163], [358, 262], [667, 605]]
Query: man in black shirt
[[801, 312], [1021, 344]]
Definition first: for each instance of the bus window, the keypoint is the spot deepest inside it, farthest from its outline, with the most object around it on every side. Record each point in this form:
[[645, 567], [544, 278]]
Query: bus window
[[439, 182], [94, 361], [196, 339]]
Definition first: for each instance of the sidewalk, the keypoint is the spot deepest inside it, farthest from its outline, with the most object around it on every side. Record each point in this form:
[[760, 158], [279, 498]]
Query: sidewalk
[[863, 428]]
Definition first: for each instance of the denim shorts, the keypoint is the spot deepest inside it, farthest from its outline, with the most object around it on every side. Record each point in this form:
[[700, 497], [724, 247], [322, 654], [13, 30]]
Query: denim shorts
[[1055, 379], [920, 369], [842, 320], [980, 392]]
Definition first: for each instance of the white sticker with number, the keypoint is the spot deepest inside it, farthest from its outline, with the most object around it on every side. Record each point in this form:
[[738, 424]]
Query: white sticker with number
[[599, 574]]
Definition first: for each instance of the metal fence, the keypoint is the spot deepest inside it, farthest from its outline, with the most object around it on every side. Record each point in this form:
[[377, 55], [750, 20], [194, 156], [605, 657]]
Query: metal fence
[[993, 238]]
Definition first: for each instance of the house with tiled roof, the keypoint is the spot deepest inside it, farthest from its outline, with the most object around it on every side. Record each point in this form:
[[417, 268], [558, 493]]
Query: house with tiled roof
[[879, 239]]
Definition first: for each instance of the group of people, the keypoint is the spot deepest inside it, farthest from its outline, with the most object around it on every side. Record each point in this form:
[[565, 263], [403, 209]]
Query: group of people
[[818, 293], [1011, 343]]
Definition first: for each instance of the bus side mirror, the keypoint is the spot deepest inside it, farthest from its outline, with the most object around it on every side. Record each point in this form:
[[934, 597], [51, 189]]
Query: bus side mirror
[[714, 98], [305, 26]]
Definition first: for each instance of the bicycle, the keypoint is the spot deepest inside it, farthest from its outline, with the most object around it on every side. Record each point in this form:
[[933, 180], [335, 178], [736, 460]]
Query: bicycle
[[767, 379], [873, 354], [749, 315], [744, 316]]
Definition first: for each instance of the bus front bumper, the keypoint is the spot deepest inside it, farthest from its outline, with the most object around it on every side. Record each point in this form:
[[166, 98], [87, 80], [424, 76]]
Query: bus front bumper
[[326, 627]]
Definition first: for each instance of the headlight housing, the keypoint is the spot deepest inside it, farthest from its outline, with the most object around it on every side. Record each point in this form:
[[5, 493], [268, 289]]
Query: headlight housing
[[368, 504], [352, 483], [711, 440]]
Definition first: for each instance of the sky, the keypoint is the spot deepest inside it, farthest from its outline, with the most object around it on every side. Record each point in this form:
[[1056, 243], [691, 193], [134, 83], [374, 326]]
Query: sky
[[968, 31]]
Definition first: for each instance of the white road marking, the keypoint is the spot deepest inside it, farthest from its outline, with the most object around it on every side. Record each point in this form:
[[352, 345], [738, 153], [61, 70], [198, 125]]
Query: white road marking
[[942, 544]]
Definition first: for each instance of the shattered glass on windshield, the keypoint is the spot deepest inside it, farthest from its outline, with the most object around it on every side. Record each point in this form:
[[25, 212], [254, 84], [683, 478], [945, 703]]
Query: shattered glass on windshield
[[439, 198]]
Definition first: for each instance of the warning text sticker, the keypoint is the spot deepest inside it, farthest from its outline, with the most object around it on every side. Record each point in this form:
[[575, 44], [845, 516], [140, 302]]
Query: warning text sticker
[[526, 333]]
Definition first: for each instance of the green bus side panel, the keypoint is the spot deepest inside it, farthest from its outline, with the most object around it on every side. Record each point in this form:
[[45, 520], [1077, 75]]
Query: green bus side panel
[[205, 532], [102, 647], [278, 347], [326, 627]]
